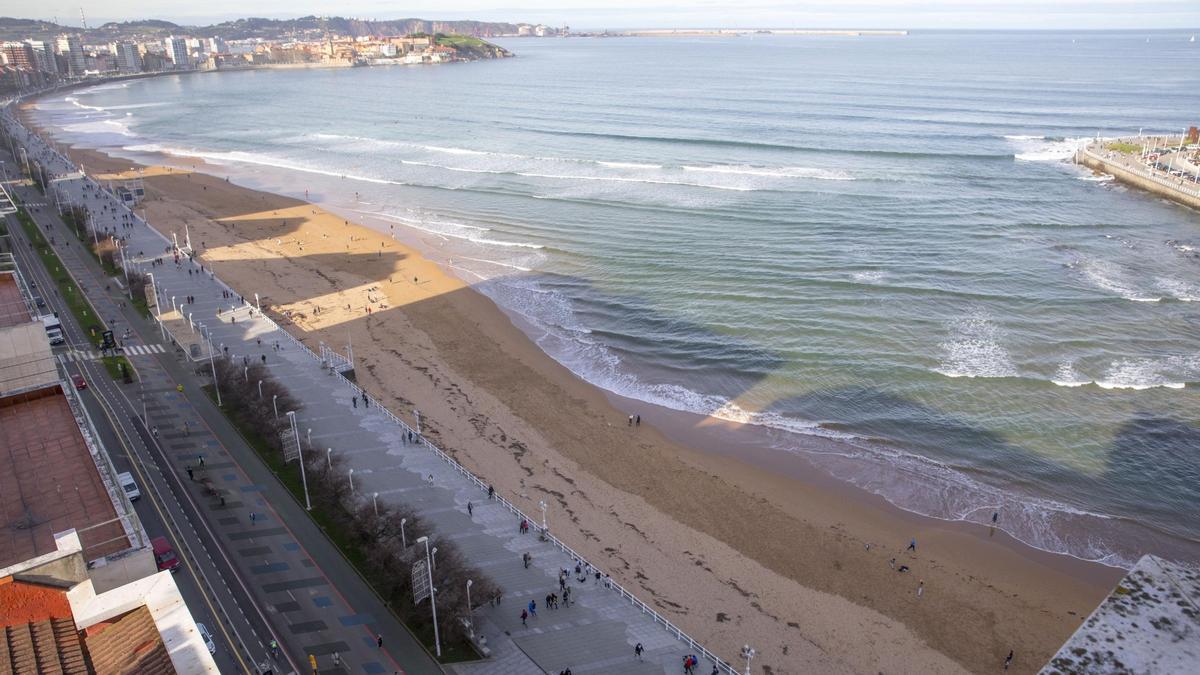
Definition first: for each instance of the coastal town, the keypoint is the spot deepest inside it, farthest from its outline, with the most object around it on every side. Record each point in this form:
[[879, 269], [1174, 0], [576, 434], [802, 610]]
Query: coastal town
[[1165, 165], [43, 55]]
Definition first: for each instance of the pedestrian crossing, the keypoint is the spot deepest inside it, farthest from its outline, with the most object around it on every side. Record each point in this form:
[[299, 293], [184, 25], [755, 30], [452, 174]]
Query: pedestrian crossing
[[92, 355]]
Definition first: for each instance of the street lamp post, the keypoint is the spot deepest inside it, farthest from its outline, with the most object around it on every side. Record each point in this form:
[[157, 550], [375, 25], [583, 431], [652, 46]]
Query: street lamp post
[[375, 503], [542, 504], [417, 414], [300, 455], [403, 541], [748, 654], [212, 362], [260, 390], [308, 437], [351, 474], [470, 612], [329, 458], [274, 405], [246, 373], [437, 639]]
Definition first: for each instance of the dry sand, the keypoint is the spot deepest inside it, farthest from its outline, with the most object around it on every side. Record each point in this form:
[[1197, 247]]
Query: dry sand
[[730, 545]]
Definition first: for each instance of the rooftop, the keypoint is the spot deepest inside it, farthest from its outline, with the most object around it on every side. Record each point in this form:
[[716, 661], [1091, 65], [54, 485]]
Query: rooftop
[[26, 362], [1150, 623], [49, 482], [12, 306]]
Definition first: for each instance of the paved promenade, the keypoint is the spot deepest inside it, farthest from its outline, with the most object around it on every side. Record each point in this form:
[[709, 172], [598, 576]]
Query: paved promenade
[[596, 634]]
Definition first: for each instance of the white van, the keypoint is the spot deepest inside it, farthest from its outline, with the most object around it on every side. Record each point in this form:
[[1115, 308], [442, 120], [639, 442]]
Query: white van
[[130, 487]]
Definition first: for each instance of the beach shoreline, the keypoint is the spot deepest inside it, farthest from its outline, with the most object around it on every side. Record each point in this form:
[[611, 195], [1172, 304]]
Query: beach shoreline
[[572, 444]]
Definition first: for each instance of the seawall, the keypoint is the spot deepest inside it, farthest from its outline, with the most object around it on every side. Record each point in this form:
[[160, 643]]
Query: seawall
[[1173, 189]]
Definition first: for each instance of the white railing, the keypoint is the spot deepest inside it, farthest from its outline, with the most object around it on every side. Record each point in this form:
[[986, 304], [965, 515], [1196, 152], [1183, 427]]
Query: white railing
[[1176, 184], [409, 432]]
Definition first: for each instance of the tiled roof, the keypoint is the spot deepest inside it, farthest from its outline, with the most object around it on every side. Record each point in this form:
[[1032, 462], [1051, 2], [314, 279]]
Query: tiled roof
[[51, 646], [129, 643]]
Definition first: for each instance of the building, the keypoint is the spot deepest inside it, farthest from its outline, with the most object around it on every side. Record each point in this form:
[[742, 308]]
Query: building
[[128, 58], [44, 53], [177, 51], [20, 55], [71, 48], [217, 46], [1148, 624], [53, 619]]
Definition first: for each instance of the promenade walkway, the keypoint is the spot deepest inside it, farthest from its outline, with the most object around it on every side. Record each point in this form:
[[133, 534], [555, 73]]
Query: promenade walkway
[[597, 634]]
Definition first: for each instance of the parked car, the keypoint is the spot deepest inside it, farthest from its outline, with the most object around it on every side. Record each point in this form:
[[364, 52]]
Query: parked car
[[164, 555], [208, 640], [130, 487]]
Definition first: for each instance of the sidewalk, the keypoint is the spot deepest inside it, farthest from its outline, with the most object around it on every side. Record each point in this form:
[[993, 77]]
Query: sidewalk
[[596, 634], [281, 554]]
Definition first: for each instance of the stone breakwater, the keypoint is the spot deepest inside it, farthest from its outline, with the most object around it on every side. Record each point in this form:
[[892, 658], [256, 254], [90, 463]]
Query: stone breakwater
[[1132, 173]]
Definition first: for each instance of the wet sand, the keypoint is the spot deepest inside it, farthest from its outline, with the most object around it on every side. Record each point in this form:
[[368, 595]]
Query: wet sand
[[731, 542]]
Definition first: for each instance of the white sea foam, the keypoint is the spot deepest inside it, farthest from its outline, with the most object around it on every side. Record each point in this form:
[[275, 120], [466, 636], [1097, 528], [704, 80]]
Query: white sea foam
[[1066, 376], [974, 350], [1098, 178], [629, 165], [1180, 289], [450, 230], [773, 172], [1110, 277], [868, 277], [622, 179], [1043, 148], [1171, 372]]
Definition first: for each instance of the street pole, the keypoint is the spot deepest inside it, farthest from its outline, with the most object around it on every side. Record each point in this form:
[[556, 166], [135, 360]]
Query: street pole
[[748, 654], [470, 612], [329, 458], [217, 385], [274, 405], [300, 454], [260, 390], [417, 414], [403, 542], [543, 505], [375, 503], [351, 481], [437, 640]]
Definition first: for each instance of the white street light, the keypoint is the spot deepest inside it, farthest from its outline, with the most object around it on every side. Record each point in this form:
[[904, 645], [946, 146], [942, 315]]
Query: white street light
[[543, 505], [300, 455], [260, 390], [212, 362], [329, 458], [274, 405], [470, 612], [403, 542], [437, 640], [173, 307], [433, 559], [417, 414], [375, 503], [246, 373], [352, 480], [308, 437], [748, 654]]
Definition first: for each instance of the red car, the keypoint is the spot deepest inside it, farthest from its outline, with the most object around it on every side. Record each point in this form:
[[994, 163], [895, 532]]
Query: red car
[[80, 383], [164, 555]]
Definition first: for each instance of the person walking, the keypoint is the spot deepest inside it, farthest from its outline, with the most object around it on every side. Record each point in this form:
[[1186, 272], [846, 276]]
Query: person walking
[[920, 588], [533, 608], [524, 616], [912, 546], [379, 641], [638, 651], [470, 509], [526, 558], [1008, 660], [337, 660]]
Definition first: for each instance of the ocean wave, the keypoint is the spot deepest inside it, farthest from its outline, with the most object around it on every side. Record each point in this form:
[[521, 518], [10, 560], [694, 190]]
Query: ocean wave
[[1098, 178], [1044, 148], [1179, 289], [447, 229], [1147, 373], [974, 350], [766, 172], [1067, 377], [1110, 277]]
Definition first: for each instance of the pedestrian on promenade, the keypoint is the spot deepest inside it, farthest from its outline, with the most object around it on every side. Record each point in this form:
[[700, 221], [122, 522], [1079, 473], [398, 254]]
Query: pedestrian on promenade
[[533, 607], [201, 456], [470, 509], [524, 616], [912, 545], [526, 557], [638, 651], [190, 476], [253, 517], [379, 641], [354, 401], [491, 492], [337, 660], [550, 600], [566, 597]]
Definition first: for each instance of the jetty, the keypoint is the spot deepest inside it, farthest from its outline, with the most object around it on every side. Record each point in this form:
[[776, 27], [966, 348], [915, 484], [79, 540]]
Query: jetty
[[1167, 167]]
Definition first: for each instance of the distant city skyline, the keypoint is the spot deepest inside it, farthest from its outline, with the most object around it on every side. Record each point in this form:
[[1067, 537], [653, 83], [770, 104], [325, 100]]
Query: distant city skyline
[[624, 14]]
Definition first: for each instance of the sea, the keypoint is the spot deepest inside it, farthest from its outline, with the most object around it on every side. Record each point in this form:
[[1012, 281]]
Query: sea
[[878, 242]]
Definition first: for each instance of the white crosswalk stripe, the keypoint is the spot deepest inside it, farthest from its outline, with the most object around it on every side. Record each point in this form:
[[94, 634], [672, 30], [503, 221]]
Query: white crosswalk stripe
[[91, 355]]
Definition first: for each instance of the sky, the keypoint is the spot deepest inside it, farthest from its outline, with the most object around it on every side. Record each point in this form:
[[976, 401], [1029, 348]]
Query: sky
[[617, 14]]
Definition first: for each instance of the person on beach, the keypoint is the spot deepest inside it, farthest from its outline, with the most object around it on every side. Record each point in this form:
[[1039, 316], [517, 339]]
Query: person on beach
[[631, 420], [892, 563], [995, 516], [637, 420], [1008, 660], [920, 588], [912, 546]]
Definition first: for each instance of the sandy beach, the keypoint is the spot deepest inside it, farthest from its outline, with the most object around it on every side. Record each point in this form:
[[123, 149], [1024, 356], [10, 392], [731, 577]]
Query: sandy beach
[[731, 543]]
